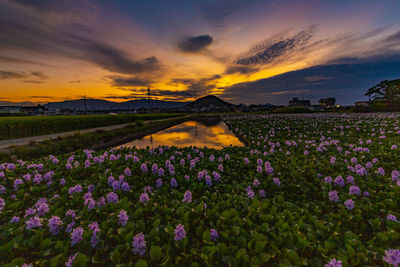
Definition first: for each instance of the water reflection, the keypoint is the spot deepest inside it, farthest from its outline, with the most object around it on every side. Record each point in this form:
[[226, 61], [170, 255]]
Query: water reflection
[[212, 134]]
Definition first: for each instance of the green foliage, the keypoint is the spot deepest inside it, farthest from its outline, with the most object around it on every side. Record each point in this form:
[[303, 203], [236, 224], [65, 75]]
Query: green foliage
[[287, 110], [16, 127]]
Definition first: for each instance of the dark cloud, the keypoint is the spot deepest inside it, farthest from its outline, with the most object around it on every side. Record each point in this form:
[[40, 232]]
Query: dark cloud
[[36, 75], [122, 81], [35, 34], [39, 75], [141, 93], [393, 37], [195, 44], [76, 81], [347, 81], [278, 46], [217, 13], [11, 75], [242, 69], [202, 86]]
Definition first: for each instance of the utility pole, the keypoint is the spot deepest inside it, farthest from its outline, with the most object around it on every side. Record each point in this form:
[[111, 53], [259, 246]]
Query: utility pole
[[84, 100], [195, 98], [148, 96]]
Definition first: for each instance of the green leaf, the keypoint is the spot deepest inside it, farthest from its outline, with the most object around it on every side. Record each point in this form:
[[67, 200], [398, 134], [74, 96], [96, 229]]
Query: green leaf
[[80, 261], [155, 253], [141, 263]]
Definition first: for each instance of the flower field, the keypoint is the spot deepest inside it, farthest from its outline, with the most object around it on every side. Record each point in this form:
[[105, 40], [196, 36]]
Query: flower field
[[309, 189]]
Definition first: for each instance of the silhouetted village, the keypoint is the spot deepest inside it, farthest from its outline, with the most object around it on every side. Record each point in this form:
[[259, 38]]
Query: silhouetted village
[[208, 103]]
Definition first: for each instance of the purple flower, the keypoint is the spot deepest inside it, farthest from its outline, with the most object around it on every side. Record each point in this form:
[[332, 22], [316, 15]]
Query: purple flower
[[277, 182], [76, 236], [33, 222], [54, 225], [75, 189], [143, 167], [339, 181], [354, 190], [71, 213], [139, 244], [159, 183], [187, 196], [143, 197], [125, 187], [333, 196], [328, 180], [122, 218], [29, 212], [208, 180], [391, 217], [366, 194], [334, 263], [180, 232], [127, 172], [256, 182], [392, 256], [42, 209], [71, 260], [174, 183], [15, 219], [214, 234], [160, 172], [381, 171], [112, 198], [2, 204], [349, 204], [250, 192], [261, 193]]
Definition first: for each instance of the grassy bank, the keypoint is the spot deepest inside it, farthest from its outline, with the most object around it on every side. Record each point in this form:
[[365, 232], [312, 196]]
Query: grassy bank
[[95, 140], [17, 127]]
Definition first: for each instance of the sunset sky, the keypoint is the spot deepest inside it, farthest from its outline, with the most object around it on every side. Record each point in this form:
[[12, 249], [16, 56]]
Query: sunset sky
[[242, 51]]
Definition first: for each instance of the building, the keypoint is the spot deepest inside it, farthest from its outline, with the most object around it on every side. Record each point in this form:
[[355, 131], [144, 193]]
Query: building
[[327, 102], [295, 102], [10, 109]]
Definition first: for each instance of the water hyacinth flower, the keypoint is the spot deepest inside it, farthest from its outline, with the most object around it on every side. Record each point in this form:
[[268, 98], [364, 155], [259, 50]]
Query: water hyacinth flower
[[349, 204], [214, 234], [208, 180], [391, 217], [354, 190], [250, 192], [127, 172], [33, 222], [328, 179], [261, 192], [380, 171], [139, 244], [334, 263], [159, 183], [71, 213], [75, 189], [333, 196], [112, 198], [339, 181], [15, 219], [143, 167], [144, 197], [174, 183], [28, 212], [76, 236], [122, 218], [55, 225], [256, 182], [392, 256], [2, 204], [187, 197], [180, 232], [277, 181], [70, 260]]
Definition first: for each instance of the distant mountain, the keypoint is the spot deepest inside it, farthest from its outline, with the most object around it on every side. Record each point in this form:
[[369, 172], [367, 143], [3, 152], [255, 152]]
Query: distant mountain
[[20, 104], [210, 102], [99, 104]]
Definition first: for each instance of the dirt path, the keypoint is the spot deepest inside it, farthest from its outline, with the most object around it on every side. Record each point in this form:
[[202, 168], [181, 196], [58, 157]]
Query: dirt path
[[27, 140]]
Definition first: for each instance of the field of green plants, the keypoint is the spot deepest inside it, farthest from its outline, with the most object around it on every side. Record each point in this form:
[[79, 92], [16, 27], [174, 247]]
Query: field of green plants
[[16, 127], [307, 190]]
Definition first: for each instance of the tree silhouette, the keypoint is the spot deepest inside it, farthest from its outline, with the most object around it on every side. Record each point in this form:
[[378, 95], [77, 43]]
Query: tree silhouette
[[387, 91]]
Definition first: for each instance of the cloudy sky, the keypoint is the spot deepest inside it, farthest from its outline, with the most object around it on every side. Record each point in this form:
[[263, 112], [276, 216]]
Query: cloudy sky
[[242, 51]]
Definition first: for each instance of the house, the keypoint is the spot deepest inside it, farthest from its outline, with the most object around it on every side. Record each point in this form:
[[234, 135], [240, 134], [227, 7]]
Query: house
[[295, 102], [10, 109], [327, 102]]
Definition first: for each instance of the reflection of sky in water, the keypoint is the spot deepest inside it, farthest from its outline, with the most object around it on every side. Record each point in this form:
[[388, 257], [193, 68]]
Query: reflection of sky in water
[[190, 133]]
